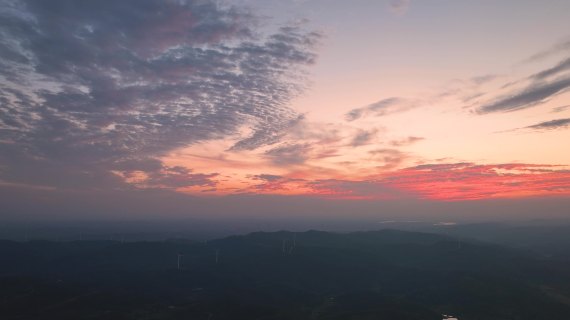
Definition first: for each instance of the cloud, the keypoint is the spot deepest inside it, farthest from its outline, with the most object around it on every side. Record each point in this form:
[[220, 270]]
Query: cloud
[[275, 183], [363, 137], [266, 134], [562, 66], [451, 182], [399, 6], [289, 154], [534, 94], [316, 132], [391, 158], [380, 108], [268, 177], [469, 181], [87, 86], [560, 109], [442, 166], [540, 87], [563, 46], [356, 190], [406, 142], [480, 80], [251, 211], [156, 175], [551, 125], [179, 177]]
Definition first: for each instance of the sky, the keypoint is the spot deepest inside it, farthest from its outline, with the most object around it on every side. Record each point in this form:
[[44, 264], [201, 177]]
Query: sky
[[284, 108]]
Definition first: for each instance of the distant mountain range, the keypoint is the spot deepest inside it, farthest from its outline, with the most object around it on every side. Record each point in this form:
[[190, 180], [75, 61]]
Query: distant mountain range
[[386, 274]]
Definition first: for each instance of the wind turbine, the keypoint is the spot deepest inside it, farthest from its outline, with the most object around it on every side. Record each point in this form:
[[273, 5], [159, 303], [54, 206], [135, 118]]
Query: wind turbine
[[179, 258], [294, 239]]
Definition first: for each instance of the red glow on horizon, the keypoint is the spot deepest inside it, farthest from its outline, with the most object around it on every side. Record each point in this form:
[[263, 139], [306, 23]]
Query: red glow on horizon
[[453, 182]]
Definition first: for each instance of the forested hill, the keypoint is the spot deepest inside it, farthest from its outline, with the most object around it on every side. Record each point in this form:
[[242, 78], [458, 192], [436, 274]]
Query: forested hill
[[384, 274]]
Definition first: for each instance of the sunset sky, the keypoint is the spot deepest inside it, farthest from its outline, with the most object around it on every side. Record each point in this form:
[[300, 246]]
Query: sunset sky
[[248, 101]]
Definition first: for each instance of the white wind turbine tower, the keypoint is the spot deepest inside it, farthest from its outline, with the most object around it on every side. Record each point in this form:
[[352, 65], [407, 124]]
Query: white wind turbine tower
[[179, 259], [294, 239]]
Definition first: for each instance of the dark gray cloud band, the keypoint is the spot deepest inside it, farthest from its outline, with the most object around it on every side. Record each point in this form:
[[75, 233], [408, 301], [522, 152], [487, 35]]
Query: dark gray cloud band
[[562, 66], [543, 85], [551, 125], [528, 97]]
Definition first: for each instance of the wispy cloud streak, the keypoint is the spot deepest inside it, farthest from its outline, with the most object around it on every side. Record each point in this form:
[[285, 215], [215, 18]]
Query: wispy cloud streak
[[528, 97], [551, 125], [381, 108]]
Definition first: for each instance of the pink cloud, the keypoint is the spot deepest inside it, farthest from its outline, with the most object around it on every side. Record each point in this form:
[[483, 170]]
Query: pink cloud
[[442, 182]]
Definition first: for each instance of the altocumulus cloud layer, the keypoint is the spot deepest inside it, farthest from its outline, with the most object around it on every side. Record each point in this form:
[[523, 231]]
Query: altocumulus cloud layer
[[88, 88]]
